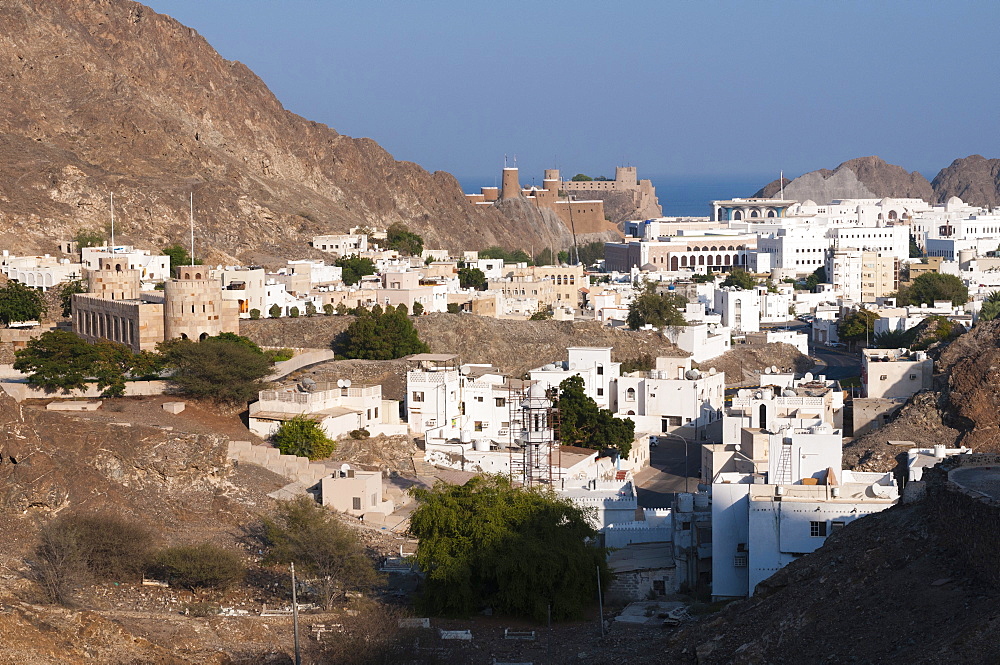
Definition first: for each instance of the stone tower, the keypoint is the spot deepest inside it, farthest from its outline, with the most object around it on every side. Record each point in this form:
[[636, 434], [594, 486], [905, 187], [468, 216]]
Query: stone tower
[[511, 185], [194, 308], [113, 280]]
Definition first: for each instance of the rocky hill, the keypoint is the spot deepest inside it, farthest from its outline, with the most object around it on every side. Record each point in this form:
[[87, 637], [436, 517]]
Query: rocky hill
[[107, 96], [862, 178], [973, 179]]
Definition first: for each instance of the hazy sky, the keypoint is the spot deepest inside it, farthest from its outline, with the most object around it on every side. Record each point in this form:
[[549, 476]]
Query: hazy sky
[[675, 87]]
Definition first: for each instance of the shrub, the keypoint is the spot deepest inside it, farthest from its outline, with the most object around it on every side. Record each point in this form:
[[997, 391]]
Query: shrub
[[453, 308], [281, 355], [341, 309], [359, 434], [354, 268], [254, 314], [274, 312], [400, 238], [294, 312], [20, 303], [328, 309], [303, 437], [418, 309], [203, 566], [88, 238], [66, 294]]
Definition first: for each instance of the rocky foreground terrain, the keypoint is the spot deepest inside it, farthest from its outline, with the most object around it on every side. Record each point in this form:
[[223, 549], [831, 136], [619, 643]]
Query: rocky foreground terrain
[[107, 96], [974, 179]]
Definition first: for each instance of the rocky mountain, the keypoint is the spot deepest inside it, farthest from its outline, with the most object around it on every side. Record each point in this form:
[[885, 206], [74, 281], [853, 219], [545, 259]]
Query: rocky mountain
[[974, 179], [862, 178], [107, 96]]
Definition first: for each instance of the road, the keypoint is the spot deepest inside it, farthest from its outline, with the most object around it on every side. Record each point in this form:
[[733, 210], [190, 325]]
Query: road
[[656, 485], [840, 363], [982, 479]]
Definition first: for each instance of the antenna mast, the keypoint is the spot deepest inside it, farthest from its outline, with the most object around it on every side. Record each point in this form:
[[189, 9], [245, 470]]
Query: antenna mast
[[192, 228], [112, 222], [781, 182]]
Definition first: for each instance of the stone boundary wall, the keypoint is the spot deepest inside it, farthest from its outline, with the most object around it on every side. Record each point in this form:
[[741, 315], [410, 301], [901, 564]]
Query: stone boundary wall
[[965, 520], [22, 391], [296, 469]]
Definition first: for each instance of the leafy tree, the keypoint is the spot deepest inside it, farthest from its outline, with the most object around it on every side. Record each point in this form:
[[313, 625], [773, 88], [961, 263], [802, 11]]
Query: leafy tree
[[581, 177], [225, 371], [740, 278], [400, 238], [857, 325], [293, 312], [591, 252], [472, 278], [545, 257], [641, 363], [418, 309], [495, 252], [453, 308], [703, 279], [254, 314], [59, 360], [563, 257], [354, 268], [516, 550], [991, 307], [656, 309], [380, 336], [303, 437], [20, 303], [543, 314], [179, 256], [203, 566], [321, 546], [310, 309], [328, 309], [894, 339], [932, 286], [817, 277], [341, 309], [583, 423], [88, 238], [274, 311], [66, 295], [915, 252]]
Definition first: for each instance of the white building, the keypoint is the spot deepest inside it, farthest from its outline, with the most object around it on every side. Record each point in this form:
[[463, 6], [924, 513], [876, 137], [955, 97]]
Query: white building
[[593, 364], [895, 373], [341, 244], [42, 272], [740, 309], [246, 287], [670, 397], [703, 341], [339, 409], [433, 392], [153, 268]]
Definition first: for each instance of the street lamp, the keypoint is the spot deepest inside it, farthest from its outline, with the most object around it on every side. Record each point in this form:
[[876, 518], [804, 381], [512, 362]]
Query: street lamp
[[685, 455]]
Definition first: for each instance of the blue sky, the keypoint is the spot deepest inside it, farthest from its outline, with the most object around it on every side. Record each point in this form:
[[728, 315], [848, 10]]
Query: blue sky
[[679, 88]]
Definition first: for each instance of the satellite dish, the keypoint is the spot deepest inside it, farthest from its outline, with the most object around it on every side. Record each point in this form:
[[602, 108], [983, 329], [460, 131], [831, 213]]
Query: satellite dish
[[767, 370], [808, 376], [340, 383], [774, 369], [712, 371], [758, 395], [345, 467], [347, 383], [742, 393]]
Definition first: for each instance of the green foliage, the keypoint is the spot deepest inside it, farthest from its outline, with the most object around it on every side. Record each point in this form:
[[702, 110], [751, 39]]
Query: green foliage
[[543, 314], [642, 363], [328, 309], [341, 309], [545, 258], [310, 309], [453, 308], [379, 335], [915, 252], [857, 326], [494, 252], [203, 566], [931, 286], [944, 329], [581, 177], [59, 360], [225, 371], [88, 238], [516, 550], [418, 309], [280, 355], [990, 308], [591, 252], [400, 238], [703, 279], [274, 311], [303, 437], [66, 295], [321, 547], [293, 312], [359, 434], [817, 277], [354, 268], [562, 257], [740, 278], [254, 314], [656, 309], [894, 339], [179, 256], [583, 423], [20, 303], [472, 278]]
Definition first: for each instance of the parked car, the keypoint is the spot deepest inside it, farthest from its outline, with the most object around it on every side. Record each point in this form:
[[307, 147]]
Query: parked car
[[836, 345]]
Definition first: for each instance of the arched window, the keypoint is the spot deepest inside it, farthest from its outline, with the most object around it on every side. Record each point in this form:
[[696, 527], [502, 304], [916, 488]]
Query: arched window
[[630, 395], [727, 259], [714, 248], [770, 213], [754, 213], [684, 261], [118, 267], [738, 215], [718, 259], [701, 260], [197, 275], [673, 263], [203, 336], [763, 416]]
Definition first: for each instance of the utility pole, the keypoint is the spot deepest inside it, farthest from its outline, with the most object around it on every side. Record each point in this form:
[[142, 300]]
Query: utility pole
[[600, 602], [295, 619]]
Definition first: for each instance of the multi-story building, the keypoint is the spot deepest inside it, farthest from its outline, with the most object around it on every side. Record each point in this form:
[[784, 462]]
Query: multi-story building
[[433, 392], [670, 397], [593, 364], [891, 373]]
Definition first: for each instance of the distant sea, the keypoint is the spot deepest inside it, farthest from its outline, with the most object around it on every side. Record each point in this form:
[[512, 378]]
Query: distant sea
[[680, 196]]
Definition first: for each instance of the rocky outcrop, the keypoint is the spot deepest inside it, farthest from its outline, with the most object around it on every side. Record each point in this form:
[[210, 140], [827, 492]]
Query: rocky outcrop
[[106, 96], [974, 179], [863, 177]]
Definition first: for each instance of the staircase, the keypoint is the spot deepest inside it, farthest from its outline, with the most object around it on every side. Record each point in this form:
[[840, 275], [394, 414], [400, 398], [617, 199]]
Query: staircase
[[784, 475], [420, 466], [296, 469]]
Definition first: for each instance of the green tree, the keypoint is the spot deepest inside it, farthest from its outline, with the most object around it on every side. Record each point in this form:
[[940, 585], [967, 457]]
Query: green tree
[[591, 252], [418, 309], [179, 256], [581, 177], [293, 312], [354, 268], [274, 311], [400, 238], [562, 257], [516, 256], [303, 437], [88, 238], [20, 303], [341, 309], [583, 423], [322, 548], [740, 278], [254, 314], [453, 308], [66, 294], [310, 309], [656, 309], [932, 286], [894, 339], [379, 336], [545, 257], [703, 279], [472, 278], [915, 252], [224, 371], [991, 307], [816, 278], [543, 314], [203, 566], [518, 551], [328, 309], [856, 326]]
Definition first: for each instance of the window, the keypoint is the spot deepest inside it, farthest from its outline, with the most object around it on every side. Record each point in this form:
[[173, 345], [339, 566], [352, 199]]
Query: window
[[357, 503], [600, 370], [913, 377], [817, 529], [883, 377], [418, 396], [479, 398], [374, 500], [836, 526], [600, 391], [630, 395], [479, 426], [501, 401]]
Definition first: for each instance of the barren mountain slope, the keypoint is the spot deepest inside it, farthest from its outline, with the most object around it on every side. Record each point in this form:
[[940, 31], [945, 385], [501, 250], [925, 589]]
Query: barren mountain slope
[[974, 179], [863, 177], [106, 96]]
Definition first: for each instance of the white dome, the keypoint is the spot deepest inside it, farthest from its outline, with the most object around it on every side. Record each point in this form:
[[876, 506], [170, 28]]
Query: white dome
[[808, 202]]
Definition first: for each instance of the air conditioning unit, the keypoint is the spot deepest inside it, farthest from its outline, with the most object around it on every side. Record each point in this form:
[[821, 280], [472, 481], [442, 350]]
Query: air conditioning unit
[[486, 424]]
